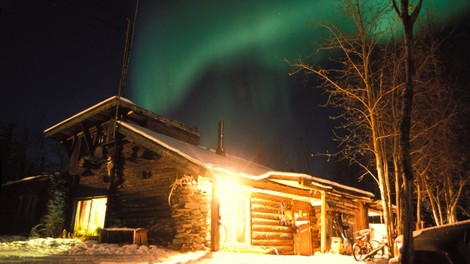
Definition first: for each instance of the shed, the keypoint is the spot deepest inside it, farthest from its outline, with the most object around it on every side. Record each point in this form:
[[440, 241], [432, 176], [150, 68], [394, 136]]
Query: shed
[[23, 203]]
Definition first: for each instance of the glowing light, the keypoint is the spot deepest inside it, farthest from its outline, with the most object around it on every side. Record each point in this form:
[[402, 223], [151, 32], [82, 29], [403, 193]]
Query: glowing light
[[204, 184], [90, 216], [234, 214]]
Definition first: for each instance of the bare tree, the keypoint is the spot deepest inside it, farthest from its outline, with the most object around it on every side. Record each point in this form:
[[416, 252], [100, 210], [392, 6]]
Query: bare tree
[[25, 152], [406, 170], [358, 87], [369, 83], [442, 177]]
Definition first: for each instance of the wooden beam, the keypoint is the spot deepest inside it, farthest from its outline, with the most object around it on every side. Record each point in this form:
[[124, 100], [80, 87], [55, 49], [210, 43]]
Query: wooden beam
[[106, 109], [275, 188], [68, 145], [362, 216], [88, 141], [323, 223], [215, 216]]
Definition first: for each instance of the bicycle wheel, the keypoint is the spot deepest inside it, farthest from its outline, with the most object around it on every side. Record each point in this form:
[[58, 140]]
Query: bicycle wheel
[[376, 244], [357, 252], [360, 251]]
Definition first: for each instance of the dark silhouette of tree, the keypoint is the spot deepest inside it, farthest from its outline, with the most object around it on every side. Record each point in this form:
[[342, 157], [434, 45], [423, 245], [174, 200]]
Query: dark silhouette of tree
[[438, 140], [26, 152], [408, 16]]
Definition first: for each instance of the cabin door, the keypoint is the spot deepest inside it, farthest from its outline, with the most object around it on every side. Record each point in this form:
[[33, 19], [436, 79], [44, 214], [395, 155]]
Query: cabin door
[[303, 236], [234, 218]]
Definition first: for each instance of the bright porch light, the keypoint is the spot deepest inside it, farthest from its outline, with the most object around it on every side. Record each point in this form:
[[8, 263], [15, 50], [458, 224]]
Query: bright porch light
[[234, 213]]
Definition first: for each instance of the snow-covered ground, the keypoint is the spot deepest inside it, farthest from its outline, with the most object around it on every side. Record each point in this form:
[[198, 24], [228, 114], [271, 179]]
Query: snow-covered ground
[[16, 249]]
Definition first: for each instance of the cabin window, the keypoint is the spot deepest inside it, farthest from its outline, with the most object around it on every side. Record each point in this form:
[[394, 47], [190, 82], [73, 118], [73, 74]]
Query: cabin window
[[89, 216], [234, 217]]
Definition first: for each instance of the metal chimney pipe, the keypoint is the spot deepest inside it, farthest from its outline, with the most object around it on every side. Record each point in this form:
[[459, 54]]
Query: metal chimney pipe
[[220, 139]]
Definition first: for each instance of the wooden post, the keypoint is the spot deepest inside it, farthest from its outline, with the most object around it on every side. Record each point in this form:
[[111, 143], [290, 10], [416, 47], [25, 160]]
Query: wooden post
[[362, 217], [323, 223], [88, 139], [215, 217]]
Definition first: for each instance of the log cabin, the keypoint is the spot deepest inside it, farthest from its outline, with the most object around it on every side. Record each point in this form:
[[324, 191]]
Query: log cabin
[[130, 168]]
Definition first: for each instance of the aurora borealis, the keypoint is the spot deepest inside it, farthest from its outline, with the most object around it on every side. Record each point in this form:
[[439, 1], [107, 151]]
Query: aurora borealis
[[177, 42], [201, 61], [196, 61]]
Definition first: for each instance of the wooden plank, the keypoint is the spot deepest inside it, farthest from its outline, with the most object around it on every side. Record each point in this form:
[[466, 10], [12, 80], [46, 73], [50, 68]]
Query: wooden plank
[[272, 242], [271, 228], [264, 215], [362, 218], [267, 200], [285, 250], [123, 235], [68, 144], [265, 208], [323, 223], [281, 189], [215, 216], [271, 236], [257, 221], [137, 212], [87, 137]]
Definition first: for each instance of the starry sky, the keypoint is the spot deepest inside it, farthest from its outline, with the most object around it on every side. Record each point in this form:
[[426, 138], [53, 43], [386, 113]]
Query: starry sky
[[193, 61]]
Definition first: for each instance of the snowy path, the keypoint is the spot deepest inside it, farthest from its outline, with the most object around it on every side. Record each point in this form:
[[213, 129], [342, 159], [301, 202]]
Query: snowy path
[[48, 250]]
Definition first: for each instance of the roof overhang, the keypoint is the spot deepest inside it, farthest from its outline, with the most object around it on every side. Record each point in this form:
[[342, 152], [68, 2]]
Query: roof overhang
[[121, 108]]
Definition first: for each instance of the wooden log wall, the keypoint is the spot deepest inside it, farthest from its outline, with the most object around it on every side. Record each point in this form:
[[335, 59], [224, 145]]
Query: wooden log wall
[[306, 212], [140, 200], [348, 208], [314, 228], [266, 226]]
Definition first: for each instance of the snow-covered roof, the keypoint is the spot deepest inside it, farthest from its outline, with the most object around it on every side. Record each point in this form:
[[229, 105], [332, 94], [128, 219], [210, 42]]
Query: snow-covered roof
[[27, 179], [119, 106], [89, 109], [182, 140], [204, 157], [208, 159]]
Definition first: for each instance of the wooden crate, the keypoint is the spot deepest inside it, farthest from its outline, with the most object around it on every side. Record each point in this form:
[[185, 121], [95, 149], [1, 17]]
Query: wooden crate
[[123, 235]]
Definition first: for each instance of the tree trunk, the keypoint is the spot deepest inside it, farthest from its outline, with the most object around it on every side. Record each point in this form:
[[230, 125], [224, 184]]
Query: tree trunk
[[419, 221], [383, 184], [406, 170], [397, 194], [404, 145]]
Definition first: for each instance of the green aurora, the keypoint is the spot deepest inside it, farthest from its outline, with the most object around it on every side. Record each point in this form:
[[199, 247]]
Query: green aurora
[[201, 61]]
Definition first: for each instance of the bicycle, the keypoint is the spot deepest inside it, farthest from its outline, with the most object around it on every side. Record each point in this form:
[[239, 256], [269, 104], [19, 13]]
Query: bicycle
[[379, 249], [365, 249]]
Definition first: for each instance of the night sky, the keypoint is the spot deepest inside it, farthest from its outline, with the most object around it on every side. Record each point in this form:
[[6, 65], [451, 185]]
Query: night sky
[[193, 61]]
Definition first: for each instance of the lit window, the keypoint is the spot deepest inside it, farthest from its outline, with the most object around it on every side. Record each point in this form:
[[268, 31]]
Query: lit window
[[89, 216]]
